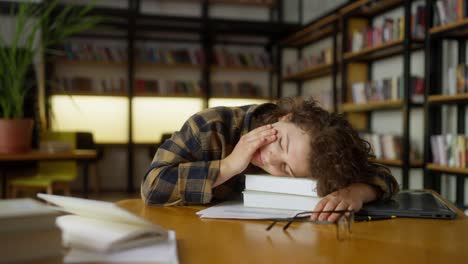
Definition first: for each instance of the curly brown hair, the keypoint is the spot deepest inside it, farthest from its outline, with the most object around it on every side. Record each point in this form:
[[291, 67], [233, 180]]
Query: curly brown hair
[[339, 156]]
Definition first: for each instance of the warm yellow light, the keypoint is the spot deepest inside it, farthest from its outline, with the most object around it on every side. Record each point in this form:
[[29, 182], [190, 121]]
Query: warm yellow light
[[153, 117], [105, 116], [234, 102]]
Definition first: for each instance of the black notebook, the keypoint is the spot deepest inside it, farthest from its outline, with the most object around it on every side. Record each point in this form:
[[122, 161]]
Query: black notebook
[[410, 203]]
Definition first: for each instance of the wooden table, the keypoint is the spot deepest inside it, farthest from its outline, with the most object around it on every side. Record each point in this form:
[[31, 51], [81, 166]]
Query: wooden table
[[81, 155], [402, 240]]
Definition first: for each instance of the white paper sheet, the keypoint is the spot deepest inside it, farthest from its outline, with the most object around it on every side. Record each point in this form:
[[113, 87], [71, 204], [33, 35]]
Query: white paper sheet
[[162, 252], [237, 210]]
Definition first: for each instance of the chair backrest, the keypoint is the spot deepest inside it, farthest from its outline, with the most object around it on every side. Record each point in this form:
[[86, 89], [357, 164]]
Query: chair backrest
[[59, 170]]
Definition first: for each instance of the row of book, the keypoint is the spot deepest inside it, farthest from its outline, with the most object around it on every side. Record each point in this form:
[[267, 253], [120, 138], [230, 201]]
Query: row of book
[[457, 80], [308, 61], [387, 146], [449, 150], [158, 55], [449, 11], [392, 29], [78, 84], [113, 85], [161, 55], [94, 52], [243, 88], [169, 87], [387, 89], [227, 58]]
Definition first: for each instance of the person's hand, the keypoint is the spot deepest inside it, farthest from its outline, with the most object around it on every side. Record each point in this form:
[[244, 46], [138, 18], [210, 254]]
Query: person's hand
[[240, 158], [350, 198]]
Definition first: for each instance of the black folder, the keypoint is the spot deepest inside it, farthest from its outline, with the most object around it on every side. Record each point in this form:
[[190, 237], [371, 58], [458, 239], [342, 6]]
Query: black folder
[[410, 203]]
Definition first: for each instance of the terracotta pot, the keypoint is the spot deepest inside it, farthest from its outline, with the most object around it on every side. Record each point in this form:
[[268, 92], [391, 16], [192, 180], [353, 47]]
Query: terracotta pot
[[15, 135]]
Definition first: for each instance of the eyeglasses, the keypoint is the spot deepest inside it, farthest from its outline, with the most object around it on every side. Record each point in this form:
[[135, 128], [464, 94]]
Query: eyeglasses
[[343, 224]]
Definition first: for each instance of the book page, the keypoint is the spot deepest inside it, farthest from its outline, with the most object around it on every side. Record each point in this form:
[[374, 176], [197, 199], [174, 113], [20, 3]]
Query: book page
[[104, 211], [99, 235]]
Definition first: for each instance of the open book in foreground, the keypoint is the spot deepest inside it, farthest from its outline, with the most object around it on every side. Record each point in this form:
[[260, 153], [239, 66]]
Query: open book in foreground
[[102, 226]]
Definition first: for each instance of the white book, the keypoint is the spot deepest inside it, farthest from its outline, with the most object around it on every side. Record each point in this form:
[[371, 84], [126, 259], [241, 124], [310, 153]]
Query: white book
[[26, 214], [279, 200], [163, 252], [102, 226], [285, 184]]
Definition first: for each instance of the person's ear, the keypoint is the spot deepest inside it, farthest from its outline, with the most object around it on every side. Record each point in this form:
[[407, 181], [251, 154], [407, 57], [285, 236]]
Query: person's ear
[[286, 117]]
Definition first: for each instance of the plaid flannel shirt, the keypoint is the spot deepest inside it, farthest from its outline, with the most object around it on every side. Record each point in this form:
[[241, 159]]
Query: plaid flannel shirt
[[185, 166]]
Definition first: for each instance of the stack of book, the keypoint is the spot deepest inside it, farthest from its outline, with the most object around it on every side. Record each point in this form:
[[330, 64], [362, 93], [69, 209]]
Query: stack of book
[[102, 232], [266, 191], [28, 233]]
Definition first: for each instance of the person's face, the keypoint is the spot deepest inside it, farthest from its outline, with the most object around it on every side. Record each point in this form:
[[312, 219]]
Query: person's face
[[288, 155]]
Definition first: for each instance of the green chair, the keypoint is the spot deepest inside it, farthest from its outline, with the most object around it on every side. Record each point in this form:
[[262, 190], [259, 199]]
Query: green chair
[[51, 176]]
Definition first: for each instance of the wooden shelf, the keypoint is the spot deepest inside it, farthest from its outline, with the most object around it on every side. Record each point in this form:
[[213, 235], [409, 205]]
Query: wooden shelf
[[239, 97], [372, 106], [91, 63], [149, 94], [75, 93], [370, 8], [387, 49], [448, 99], [455, 29], [240, 68], [446, 169], [399, 163], [167, 66], [311, 73], [316, 31], [264, 3]]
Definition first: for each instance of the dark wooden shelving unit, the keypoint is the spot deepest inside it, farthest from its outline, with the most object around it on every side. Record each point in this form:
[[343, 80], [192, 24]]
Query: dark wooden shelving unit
[[435, 99], [325, 26], [356, 67]]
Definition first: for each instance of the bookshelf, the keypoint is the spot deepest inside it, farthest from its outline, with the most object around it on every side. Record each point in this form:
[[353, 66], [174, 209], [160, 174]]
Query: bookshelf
[[306, 68], [132, 27], [361, 50], [440, 96]]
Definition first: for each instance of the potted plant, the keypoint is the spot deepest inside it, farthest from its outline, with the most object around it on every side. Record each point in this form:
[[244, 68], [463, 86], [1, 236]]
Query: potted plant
[[37, 27]]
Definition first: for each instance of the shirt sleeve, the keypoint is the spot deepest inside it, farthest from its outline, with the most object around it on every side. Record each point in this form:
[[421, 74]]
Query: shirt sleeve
[[384, 182], [178, 175]]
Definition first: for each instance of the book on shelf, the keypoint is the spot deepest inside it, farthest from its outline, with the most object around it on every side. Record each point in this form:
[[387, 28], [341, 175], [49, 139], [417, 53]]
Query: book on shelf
[[226, 58], [449, 150], [390, 29], [387, 89], [388, 146], [449, 11], [28, 233], [102, 226], [309, 61], [280, 192], [457, 80]]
